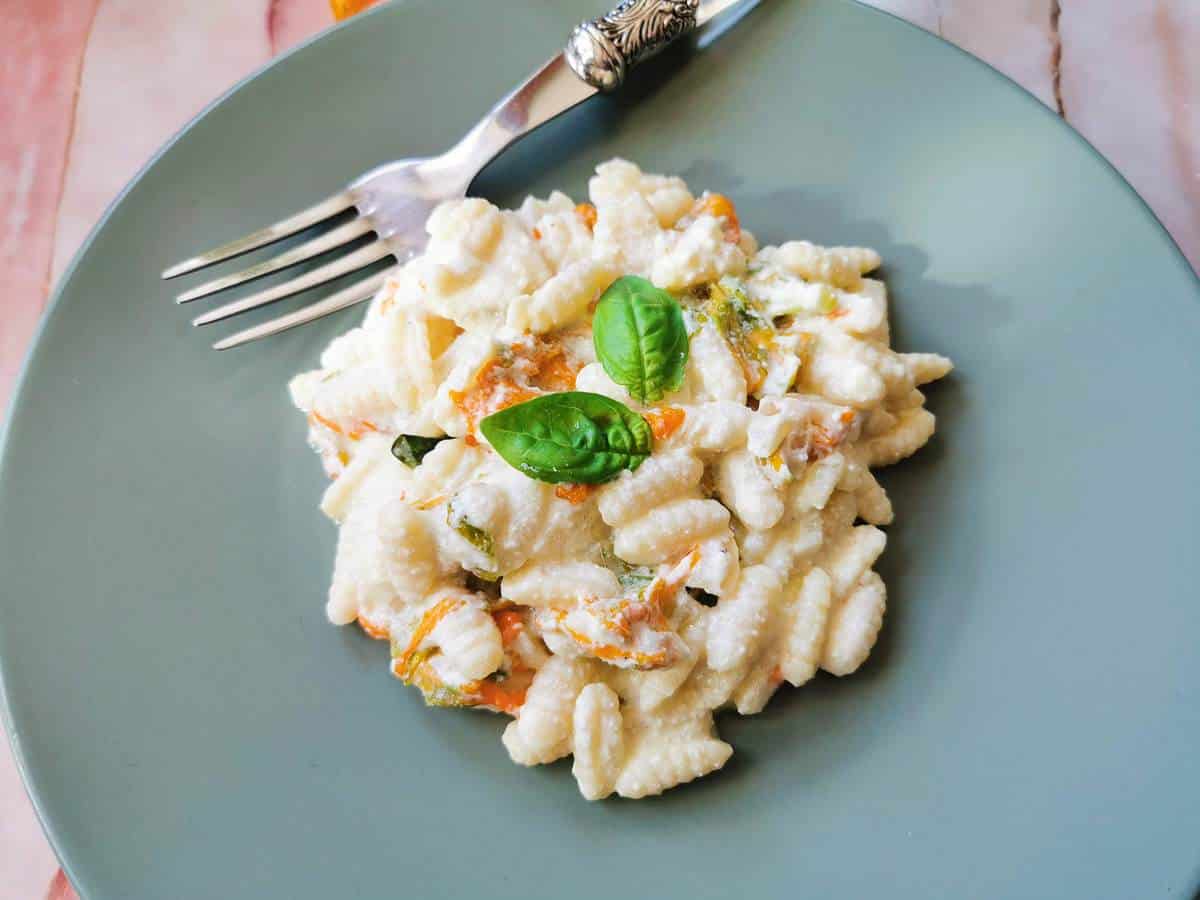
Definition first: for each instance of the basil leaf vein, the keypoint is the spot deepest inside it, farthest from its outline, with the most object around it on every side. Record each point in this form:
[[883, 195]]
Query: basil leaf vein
[[574, 436], [640, 338]]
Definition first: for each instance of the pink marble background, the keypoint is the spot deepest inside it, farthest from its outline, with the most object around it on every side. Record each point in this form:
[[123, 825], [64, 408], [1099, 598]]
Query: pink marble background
[[1126, 73]]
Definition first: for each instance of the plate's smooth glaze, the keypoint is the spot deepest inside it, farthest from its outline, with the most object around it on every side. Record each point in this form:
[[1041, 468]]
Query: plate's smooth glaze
[[190, 726]]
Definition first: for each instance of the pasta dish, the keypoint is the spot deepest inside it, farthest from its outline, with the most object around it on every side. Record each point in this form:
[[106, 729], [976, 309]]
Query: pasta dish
[[607, 467]]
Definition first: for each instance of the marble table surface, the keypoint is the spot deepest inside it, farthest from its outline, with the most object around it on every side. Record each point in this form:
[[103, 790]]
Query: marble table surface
[[1123, 72]]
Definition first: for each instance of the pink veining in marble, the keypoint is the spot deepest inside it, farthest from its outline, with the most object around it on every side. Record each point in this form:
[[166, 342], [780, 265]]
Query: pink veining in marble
[[69, 70], [39, 73], [1126, 74], [291, 21], [1182, 72], [1131, 85], [141, 69], [1015, 35]]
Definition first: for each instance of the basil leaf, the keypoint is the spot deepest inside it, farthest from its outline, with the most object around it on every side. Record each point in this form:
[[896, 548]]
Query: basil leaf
[[640, 338], [410, 449], [574, 436]]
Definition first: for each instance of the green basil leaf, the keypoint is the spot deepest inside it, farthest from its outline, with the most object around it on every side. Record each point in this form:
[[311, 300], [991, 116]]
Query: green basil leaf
[[640, 338], [574, 436], [410, 449]]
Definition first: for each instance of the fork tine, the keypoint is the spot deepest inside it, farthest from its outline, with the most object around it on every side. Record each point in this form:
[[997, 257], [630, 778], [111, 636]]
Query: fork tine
[[343, 234], [301, 220], [356, 293], [363, 256]]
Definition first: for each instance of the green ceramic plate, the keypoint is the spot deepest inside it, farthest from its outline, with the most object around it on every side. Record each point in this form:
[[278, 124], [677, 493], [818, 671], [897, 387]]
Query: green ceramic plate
[[190, 727]]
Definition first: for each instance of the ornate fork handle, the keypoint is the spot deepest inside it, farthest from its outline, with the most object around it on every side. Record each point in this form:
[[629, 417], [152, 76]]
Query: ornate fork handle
[[603, 50]]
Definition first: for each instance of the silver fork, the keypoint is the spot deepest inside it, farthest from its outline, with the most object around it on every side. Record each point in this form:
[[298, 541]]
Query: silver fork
[[394, 200]]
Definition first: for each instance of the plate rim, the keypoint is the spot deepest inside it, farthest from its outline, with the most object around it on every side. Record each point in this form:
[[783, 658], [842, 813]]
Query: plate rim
[[18, 398]]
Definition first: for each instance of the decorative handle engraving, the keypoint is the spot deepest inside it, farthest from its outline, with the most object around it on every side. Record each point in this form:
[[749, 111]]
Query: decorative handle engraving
[[602, 50]]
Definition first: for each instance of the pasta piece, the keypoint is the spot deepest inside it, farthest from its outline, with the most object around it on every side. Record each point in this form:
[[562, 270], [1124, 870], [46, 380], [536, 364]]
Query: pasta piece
[[562, 583], [470, 646], [705, 688], [854, 624], [353, 347], [343, 491], [795, 630], [712, 368], [913, 429], [657, 763], [762, 676], [624, 633], [560, 234], [783, 365], [927, 367], [882, 333], [443, 471], [713, 427], [906, 399], [816, 427], [841, 378], [598, 741], [769, 427], [669, 531], [667, 196], [890, 367], [541, 732], [820, 479], [717, 566], [344, 400], [862, 311], [699, 254], [660, 478], [494, 524], [737, 623], [877, 422], [404, 347], [839, 514], [853, 554], [787, 545], [841, 267], [478, 258], [646, 690], [750, 697], [804, 631], [747, 487], [874, 506], [385, 556], [625, 233], [534, 210], [561, 300]]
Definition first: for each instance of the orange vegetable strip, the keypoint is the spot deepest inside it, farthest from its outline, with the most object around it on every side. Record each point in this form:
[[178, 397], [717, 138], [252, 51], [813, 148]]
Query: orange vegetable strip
[[510, 624], [665, 422], [495, 695], [372, 630]]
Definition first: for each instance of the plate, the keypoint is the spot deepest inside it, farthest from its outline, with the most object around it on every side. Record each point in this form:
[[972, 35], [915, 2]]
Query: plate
[[189, 725]]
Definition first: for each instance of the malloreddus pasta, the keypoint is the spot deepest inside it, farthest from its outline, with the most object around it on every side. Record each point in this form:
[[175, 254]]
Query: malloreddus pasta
[[606, 468]]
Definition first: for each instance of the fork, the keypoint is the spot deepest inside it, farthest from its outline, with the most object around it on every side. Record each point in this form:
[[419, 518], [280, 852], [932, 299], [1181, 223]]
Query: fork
[[393, 201]]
